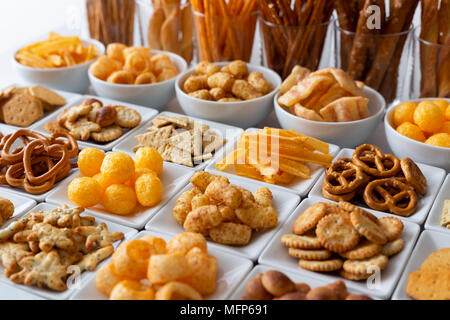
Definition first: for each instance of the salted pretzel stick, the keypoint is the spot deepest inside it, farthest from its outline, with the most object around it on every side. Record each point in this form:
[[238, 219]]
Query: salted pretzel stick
[[363, 43], [347, 21], [428, 53], [444, 54]]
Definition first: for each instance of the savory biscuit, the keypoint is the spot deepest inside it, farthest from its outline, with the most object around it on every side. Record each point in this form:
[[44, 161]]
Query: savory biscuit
[[127, 117], [309, 218], [362, 267], [393, 247], [300, 242], [310, 254], [367, 227], [336, 233], [392, 227], [365, 249], [321, 266], [22, 110], [107, 134]]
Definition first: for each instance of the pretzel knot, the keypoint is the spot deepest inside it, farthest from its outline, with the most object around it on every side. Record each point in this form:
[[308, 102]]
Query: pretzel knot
[[39, 164], [391, 194], [343, 177], [374, 162]]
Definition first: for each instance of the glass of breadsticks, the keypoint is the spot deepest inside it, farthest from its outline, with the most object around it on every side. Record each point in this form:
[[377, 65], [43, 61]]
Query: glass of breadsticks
[[431, 77], [294, 33], [111, 21], [225, 30], [167, 25], [374, 45]]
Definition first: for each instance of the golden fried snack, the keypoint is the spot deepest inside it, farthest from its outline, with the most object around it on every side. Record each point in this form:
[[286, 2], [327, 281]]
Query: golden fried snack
[[103, 67], [157, 245], [257, 81], [184, 242], [195, 83], [201, 179], [107, 278], [183, 205], [204, 268], [121, 77], [131, 290], [230, 233], [223, 192], [163, 268], [206, 68], [6, 209], [202, 219], [177, 291], [131, 259], [221, 80]]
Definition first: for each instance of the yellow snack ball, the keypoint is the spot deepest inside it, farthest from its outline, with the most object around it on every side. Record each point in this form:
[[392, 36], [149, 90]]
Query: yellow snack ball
[[447, 113], [140, 171], [411, 131], [404, 113], [428, 116], [89, 161], [101, 178], [441, 104], [117, 167], [132, 290], [85, 191], [445, 128], [149, 190], [439, 140], [149, 158], [119, 199]]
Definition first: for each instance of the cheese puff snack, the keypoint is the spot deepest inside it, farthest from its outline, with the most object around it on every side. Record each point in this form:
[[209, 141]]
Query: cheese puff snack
[[426, 121], [230, 83], [133, 66], [131, 290], [131, 259]]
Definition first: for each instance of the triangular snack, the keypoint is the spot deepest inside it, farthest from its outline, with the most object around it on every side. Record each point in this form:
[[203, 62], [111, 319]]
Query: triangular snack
[[213, 145], [154, 138], [182, 141]]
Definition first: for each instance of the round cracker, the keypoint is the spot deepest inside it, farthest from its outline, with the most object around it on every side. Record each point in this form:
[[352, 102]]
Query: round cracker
[[392, 227], [309, 218], [349, 207], [365, 249], [393, 247], [333, 208], [336, 233], [127, 117], [361, 267], [301, 242], [367, 227], [107, 134], [352, 276], [310, 254], [321, 266]]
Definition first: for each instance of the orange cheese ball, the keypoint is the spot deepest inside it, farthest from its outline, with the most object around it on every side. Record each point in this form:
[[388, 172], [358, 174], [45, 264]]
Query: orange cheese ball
[[445, 128], [447, 113], [411, 131], [89, 161], [404, 113], [100, 177], [428, 116], [149, 158], [439, 140], [119, 199], [117, 167], [149, 190], [85, 192], [441, 104], [140, 171]]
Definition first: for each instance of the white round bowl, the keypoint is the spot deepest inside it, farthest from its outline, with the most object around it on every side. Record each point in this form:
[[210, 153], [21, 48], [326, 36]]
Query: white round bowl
[[243, 114], [155, 95], [73, 79], [403, 146], [344, 134]]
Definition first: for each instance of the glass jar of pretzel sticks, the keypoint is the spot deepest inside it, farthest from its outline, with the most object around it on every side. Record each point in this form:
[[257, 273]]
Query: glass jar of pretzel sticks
[[431, 72], [111, 21], [286, 46], [381, 61], [167, 25], [224, 31]]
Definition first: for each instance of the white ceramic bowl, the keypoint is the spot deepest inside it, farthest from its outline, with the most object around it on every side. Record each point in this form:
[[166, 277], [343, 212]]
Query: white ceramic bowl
[[403, 146], [344, 134], [243, 114], [155, 95], [72, 79]]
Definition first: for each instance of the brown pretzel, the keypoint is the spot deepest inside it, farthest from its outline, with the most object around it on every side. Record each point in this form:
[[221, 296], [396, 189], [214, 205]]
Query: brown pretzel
[[374, 162], [414, 175], [343, 177], [40, 163], [341, 197], [391, 194]]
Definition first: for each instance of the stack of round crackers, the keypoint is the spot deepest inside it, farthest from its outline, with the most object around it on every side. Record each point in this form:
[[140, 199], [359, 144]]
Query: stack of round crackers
[[329, 237]]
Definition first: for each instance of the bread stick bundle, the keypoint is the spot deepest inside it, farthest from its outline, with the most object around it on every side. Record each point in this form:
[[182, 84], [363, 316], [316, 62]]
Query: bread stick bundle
[[373, 35], [170, 27], [225, 29], [294, 32], [111, 21]]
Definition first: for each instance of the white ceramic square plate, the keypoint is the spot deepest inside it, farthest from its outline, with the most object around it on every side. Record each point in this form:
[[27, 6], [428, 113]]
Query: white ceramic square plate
[[297, 186], [8, 292], [46, 293], [434, 176], [145, 112], [231, 270], [21, 204], [69, 96], [223, 130], [434, 218], [429, 242], [283, 202], [18, 190], [297, 278], [276, 255], [173, 179]]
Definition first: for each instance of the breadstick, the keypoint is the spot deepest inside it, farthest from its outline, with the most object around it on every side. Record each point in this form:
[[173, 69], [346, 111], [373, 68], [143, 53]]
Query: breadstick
[[169, 31], [187, 48], [428, 54], [444, 54], [154, 29]]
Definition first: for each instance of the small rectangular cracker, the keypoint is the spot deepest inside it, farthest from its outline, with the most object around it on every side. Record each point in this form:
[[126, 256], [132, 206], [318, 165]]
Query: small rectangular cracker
[[445, 215]]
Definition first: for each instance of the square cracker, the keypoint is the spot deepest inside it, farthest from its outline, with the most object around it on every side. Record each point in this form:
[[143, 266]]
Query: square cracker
[[181, 122], [430, 284], [445, 216], [155, 137], [440, 258]]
